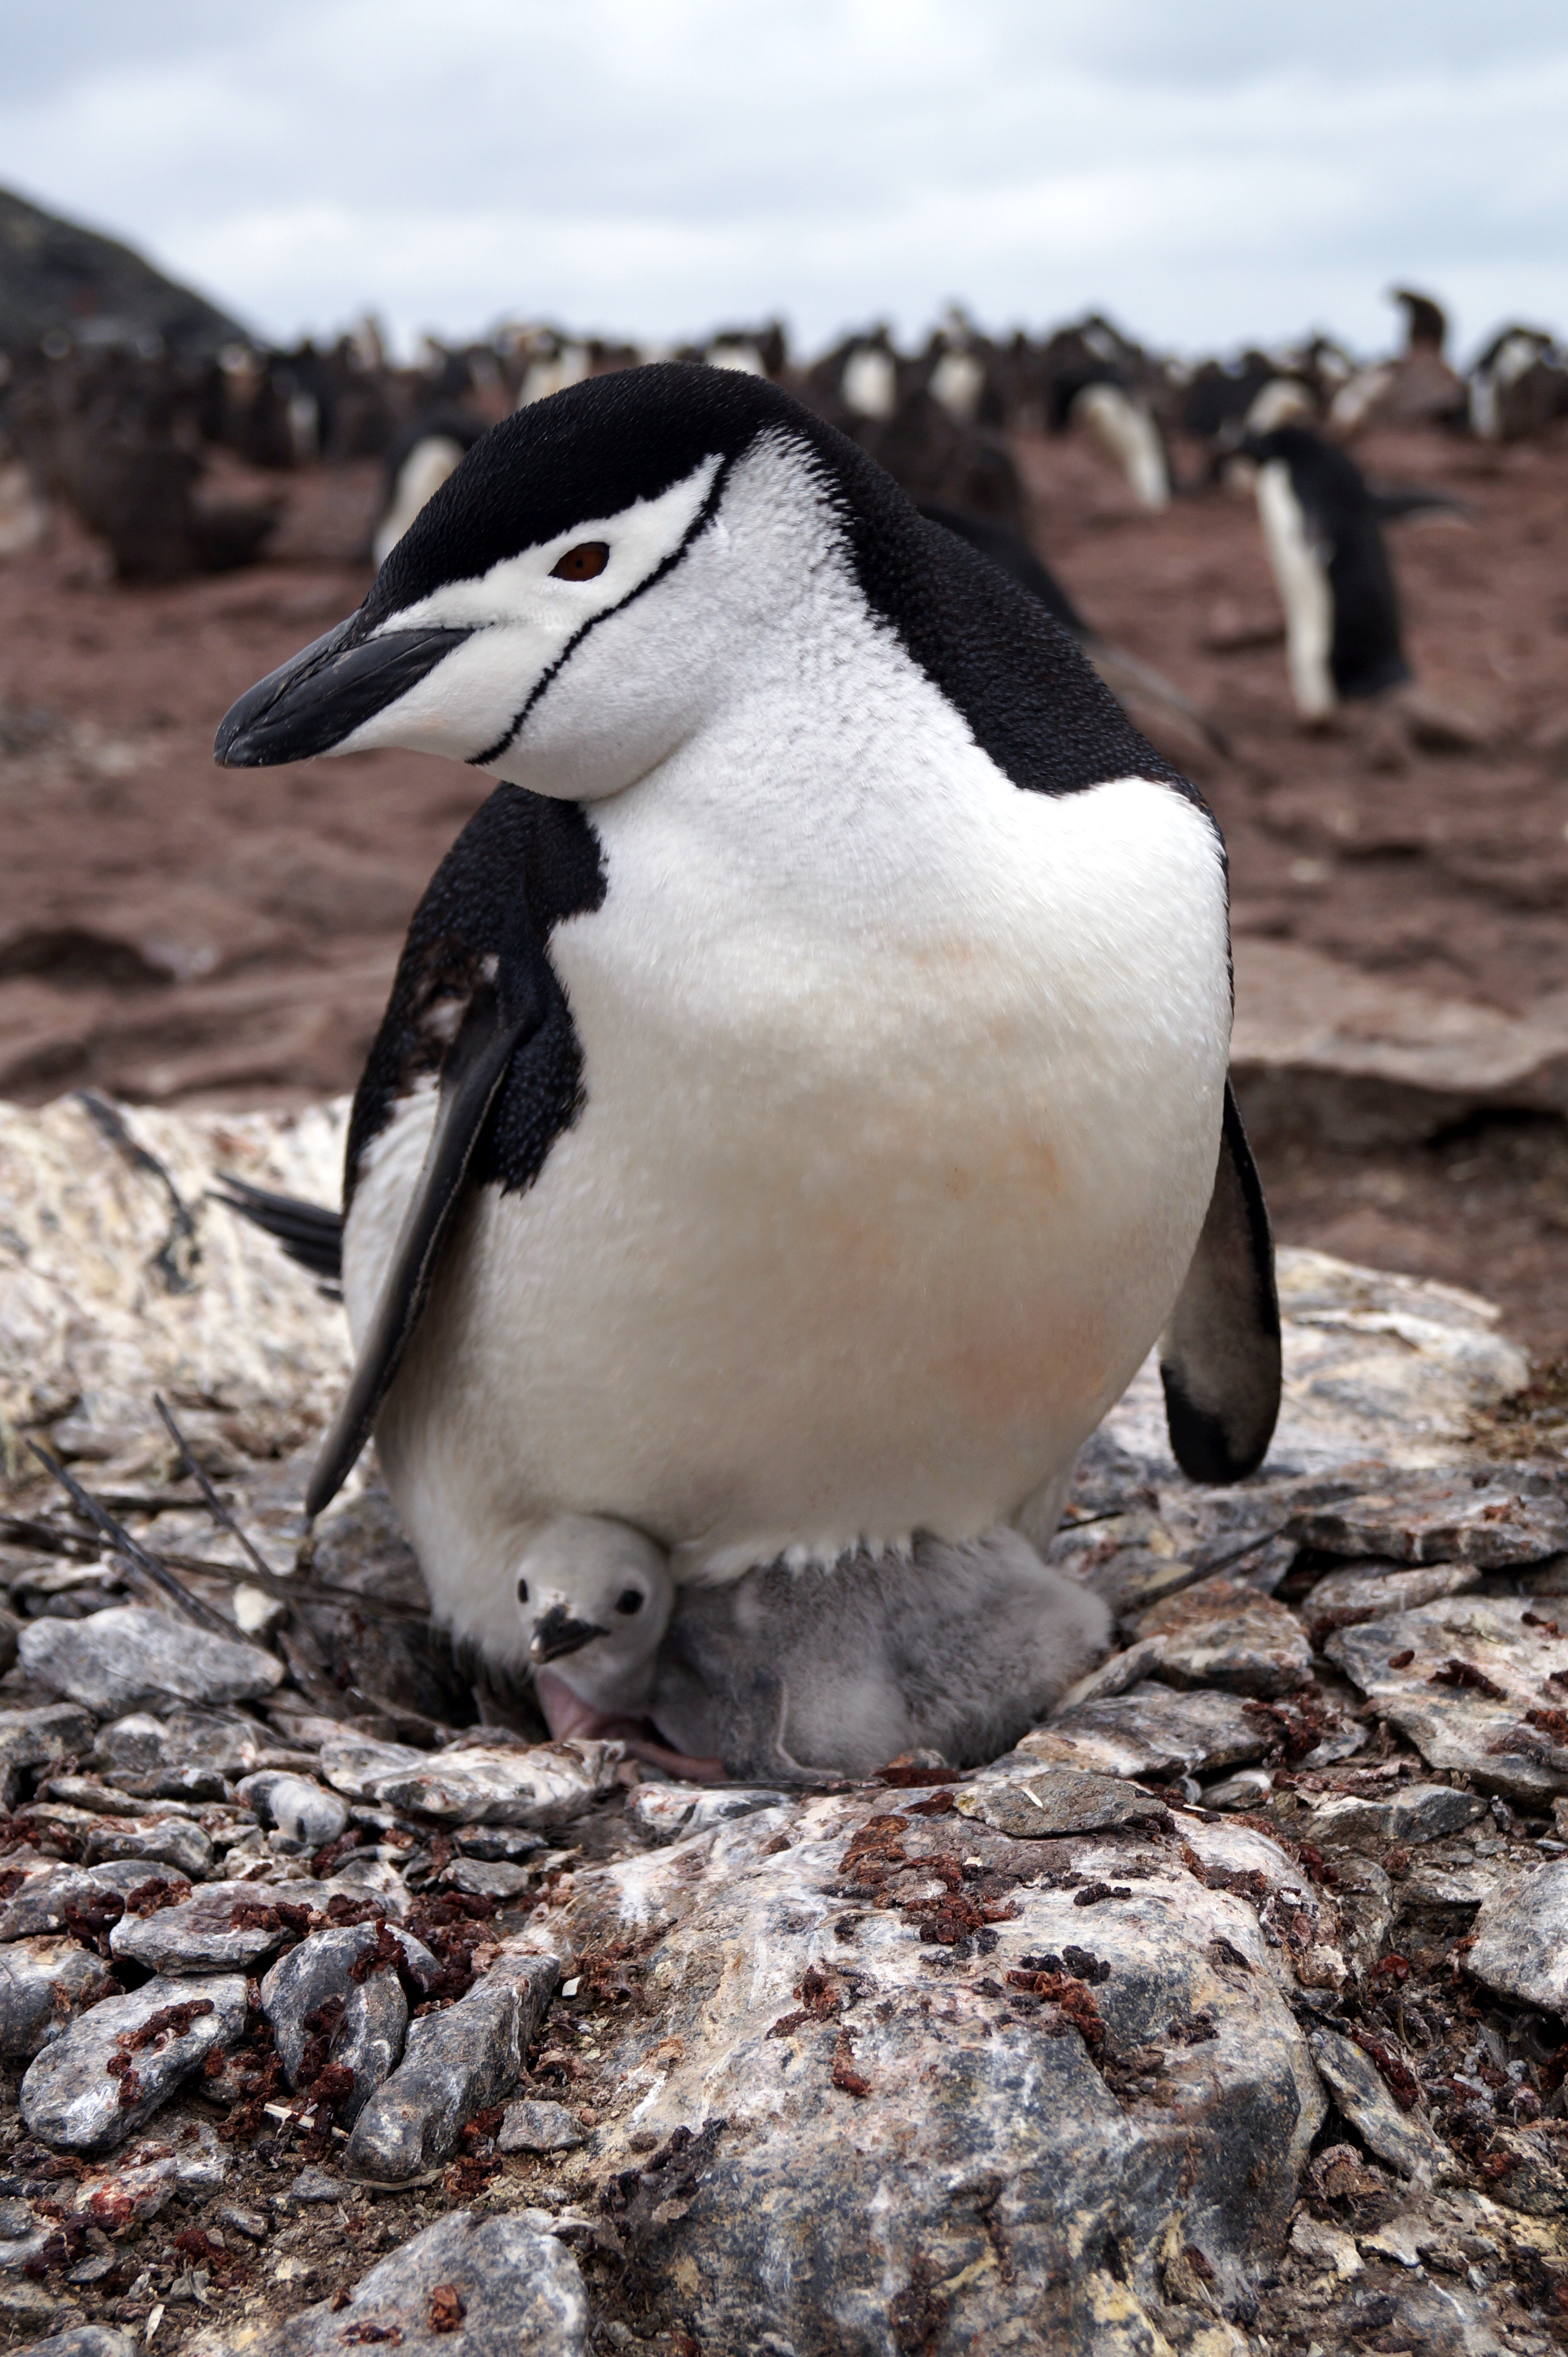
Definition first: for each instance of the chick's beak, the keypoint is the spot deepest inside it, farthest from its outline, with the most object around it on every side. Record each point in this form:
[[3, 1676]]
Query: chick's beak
[[556, 1633]]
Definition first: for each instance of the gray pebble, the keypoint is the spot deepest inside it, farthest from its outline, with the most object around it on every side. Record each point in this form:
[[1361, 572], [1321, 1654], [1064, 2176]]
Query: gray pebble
[[85, 1792], [218, 1742], [128, 1874], [27, 1738], [17, 2249], [521, 2292], [513, 1843], [161, 1841], [369, 2039], [86, 2340], [1249, 1788], [69, 2097], [201, 1935], [128, 1656], [538, 2127], [197, 1785], [1420, 1812], [1401, 2138], [254, 2224], [42, 1982], [38, 1904], [1522, 1940], [305, 1812], [1152, 1731], [134, 1742], [315, 2185], [27, 2308], [1053, 1801], [485, 1878], [454, 2065], [201, 2159]]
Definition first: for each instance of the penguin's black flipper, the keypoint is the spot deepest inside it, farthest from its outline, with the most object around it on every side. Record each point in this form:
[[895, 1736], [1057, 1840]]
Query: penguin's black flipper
[[471, 1077], [1220, 1355], [308, 1233]]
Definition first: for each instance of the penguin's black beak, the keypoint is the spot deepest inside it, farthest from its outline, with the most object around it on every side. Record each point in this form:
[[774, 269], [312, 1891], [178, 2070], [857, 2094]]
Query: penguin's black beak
[[555, 1633], [327, 691]]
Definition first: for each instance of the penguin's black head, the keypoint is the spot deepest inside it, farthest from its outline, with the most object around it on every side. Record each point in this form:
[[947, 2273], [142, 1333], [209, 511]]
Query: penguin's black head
[[554, 550]]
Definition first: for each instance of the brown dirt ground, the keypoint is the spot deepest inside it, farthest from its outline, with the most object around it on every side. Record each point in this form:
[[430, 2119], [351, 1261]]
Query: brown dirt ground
[[177, 934]]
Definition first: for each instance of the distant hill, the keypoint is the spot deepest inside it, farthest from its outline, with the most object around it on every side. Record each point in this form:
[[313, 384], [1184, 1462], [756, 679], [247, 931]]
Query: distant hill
[[55, 275]]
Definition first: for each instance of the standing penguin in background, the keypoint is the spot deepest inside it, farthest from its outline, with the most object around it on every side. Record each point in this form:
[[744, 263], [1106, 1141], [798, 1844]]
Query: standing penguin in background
[[802, 1099], [418, 464], [1322, 529]]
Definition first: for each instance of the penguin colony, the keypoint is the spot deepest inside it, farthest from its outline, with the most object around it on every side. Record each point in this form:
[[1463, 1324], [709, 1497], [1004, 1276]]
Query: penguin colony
[[802, 1100]]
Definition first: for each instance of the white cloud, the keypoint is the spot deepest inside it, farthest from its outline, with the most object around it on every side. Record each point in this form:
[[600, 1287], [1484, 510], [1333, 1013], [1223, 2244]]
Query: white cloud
[[657, 166]]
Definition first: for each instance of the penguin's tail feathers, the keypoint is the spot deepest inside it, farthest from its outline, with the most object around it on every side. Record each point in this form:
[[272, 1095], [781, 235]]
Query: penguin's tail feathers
[[310, 1234]]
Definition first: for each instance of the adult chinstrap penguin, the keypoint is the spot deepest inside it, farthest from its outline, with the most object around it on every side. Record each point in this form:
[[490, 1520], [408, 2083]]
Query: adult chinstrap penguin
[[1323, 533], [802, 1102]]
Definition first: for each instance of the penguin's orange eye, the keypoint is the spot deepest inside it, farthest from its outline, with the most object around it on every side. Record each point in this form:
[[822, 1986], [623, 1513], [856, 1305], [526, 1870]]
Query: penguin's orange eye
[[582, 563]]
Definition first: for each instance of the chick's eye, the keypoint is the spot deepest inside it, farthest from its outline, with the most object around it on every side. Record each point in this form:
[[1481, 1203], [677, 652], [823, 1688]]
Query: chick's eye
[[629, 1601], [582, 563], [522, 1591]]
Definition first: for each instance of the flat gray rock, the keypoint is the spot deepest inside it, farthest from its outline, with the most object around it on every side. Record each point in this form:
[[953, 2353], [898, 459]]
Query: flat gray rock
[[1053, 1801], [1430, 1887], [42, 1984], [223, 1742], [1522, 1940], [538, 2127], [1324, 1049], [1444, 1517], [1461, 1679], [41, 1895], [465, 2288], [27, 1738], [116, 1659], [1153, 1731], [540, 1784], [849, 2060], [455, 2063], [1221, 1633], [175, 1842], [87, 2341], [1377, 1590], [224, 1926], [1416, 1813], [485, 1878], [1404, 2140], [73, 2094]]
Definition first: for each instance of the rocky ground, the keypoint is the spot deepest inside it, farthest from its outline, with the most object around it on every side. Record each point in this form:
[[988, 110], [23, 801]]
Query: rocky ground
[[1228, 2015], [180, 936]]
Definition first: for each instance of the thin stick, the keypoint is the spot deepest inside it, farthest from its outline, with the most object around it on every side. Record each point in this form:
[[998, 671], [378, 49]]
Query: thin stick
[[290, 1589], [50, 1540], [124, 1545], [214, 1504]]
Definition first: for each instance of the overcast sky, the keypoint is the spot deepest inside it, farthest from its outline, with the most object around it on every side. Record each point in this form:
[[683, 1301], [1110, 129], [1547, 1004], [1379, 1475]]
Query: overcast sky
[[1208, 173]]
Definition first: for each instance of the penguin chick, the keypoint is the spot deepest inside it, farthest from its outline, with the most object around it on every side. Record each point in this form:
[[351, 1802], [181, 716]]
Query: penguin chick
[[955, 1648], [596, 1599]]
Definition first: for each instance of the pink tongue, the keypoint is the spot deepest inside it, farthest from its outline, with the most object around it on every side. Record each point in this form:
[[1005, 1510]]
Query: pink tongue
[[566, 1714]]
